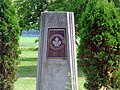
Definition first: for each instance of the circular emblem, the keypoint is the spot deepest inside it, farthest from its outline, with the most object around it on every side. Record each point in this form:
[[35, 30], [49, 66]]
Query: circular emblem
[[56, 42]]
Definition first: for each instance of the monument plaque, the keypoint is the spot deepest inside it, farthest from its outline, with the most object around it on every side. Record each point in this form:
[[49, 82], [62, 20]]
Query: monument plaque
[[57, 67], [56, 43]]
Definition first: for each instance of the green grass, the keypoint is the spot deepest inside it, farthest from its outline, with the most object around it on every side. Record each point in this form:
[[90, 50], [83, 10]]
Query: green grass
[[28, 42], [28, 39], [28, 66], [81, 81], [25, 84]]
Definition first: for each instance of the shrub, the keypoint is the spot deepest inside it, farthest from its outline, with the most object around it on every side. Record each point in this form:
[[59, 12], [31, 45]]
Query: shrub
[[9, 36], [99, 49]]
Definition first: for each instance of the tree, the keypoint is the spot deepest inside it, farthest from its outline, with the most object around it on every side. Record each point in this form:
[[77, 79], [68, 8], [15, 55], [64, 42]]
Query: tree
[[76, 6], [29, 13], [9, 36], [99, 49], [29, 10]]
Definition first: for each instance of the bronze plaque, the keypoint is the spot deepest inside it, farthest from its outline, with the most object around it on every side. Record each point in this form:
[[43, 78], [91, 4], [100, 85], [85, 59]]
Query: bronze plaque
[[56, 42]]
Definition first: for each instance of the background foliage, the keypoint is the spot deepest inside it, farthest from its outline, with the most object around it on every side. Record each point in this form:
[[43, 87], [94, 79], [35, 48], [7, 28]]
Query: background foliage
[[29, 13], [29, 10], [100, 45], [9, 36]]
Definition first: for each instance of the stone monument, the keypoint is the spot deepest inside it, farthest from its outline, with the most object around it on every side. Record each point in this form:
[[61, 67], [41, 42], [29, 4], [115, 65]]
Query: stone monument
[[57, 67]]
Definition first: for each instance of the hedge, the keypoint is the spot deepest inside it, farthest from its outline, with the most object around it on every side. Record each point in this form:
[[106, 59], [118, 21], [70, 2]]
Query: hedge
[[9, 36], [99, 49]]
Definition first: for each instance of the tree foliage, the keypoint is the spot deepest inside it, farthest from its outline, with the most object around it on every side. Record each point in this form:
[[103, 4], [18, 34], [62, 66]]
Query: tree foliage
[[117, 5], [100, 45], [29, 12], [76, 6], [9, 36]]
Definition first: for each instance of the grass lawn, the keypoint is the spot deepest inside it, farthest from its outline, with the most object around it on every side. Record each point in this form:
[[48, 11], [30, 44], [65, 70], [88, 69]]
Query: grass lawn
[[28, 66]]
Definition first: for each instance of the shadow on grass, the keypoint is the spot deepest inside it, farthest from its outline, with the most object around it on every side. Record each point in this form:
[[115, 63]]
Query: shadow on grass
[[28, 59], [29, 48], [27, 71], [28, 67]]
